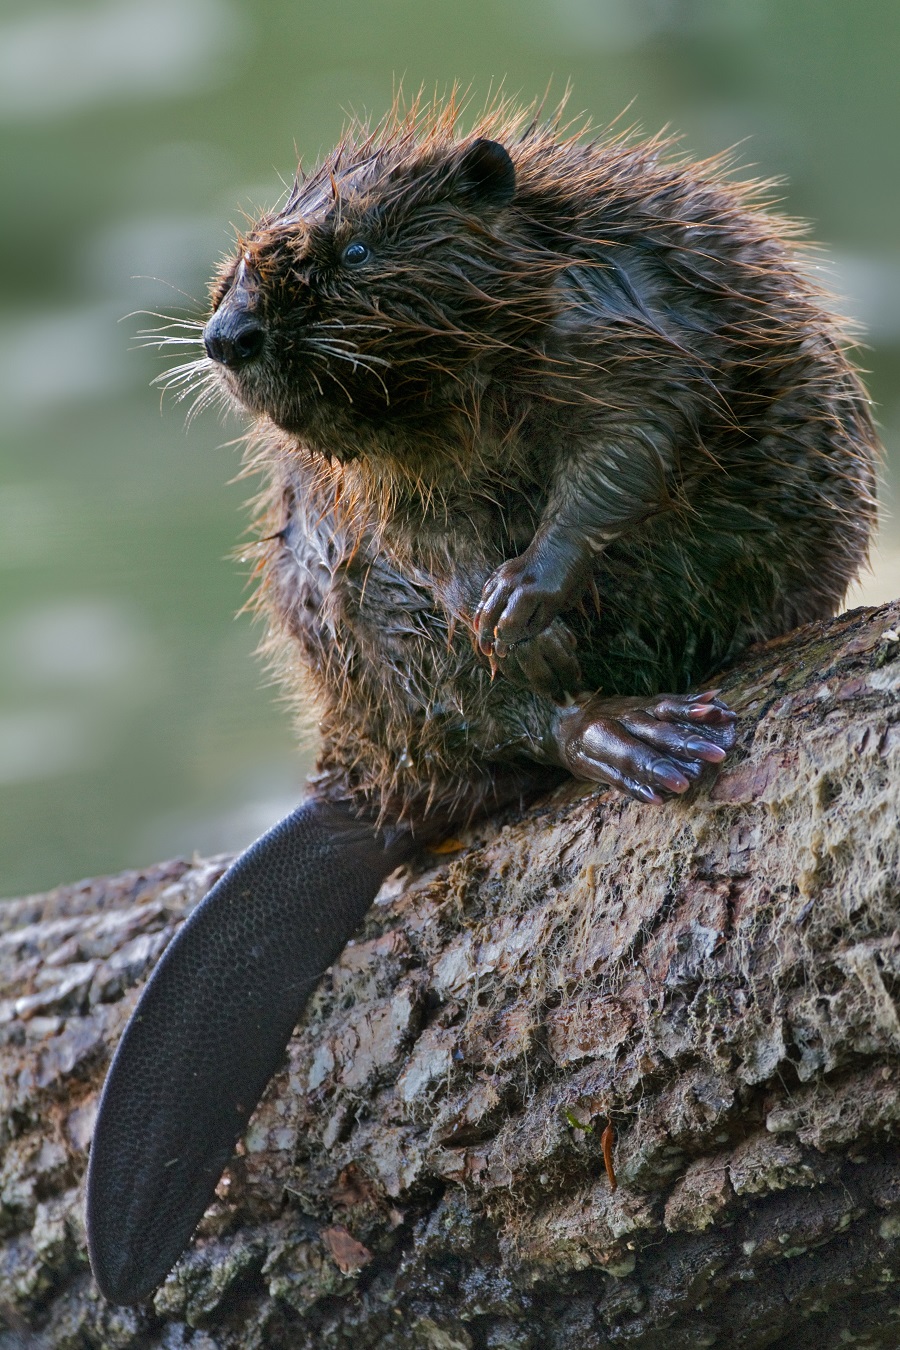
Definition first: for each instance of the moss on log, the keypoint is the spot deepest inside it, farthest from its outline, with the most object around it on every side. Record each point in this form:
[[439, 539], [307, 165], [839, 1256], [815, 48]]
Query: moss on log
[[716, 980]]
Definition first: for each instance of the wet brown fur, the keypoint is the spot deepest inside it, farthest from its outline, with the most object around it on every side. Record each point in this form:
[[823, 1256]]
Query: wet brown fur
[[632, 324]]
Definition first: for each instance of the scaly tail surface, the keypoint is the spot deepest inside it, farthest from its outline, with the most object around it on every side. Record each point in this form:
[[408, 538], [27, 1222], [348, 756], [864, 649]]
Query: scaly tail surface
[[209, 1032]]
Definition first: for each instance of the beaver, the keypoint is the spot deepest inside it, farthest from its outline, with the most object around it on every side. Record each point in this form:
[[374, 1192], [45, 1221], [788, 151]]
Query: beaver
[[552, 428]]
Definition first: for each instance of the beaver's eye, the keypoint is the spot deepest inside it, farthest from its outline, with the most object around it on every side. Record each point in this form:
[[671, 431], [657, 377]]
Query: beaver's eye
[[356, 253]]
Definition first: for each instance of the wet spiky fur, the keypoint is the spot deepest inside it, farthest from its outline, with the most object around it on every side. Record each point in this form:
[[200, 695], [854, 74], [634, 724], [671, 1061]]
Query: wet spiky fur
[[633, 337]]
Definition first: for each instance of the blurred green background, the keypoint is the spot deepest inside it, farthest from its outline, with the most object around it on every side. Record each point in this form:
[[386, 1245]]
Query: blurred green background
[[134, 720]]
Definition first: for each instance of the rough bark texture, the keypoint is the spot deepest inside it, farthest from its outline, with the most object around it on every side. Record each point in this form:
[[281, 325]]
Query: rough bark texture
[[716, 978]]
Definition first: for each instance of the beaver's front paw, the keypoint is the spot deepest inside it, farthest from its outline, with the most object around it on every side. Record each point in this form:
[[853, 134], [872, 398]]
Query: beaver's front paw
[[517, 602], [523, 597], [649, 748], [545, 663]]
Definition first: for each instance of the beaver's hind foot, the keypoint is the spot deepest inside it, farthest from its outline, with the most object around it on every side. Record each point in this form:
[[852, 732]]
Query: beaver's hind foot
[[650, 748]]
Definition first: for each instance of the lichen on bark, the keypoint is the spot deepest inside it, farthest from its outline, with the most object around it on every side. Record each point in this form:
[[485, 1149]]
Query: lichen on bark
[[715, 978]]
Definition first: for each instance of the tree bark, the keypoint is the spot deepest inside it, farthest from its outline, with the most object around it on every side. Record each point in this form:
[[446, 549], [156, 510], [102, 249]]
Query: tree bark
[[708, 986]]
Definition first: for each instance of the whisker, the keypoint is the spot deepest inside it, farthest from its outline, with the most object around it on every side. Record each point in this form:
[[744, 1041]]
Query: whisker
[[181, 374], [175, 331], [163, 281], [346, 349], [207, 397], [203, 389], [174, 320], [331, 375], [349, 327], [353, 357], [166, 341]]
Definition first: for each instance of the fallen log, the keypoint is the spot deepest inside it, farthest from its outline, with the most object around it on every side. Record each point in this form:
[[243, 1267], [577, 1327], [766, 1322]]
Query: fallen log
[[703, 992]]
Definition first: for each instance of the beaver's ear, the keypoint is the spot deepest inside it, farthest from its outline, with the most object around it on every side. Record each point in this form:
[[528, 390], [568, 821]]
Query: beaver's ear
[[485, 175]]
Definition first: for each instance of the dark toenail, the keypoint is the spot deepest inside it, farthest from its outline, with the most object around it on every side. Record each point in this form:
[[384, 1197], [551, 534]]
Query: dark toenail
[[670, 777], [707, 750]]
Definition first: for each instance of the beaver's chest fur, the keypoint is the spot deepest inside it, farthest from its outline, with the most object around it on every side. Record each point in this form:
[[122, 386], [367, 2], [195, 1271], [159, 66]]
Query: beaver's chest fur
[[366, 619]]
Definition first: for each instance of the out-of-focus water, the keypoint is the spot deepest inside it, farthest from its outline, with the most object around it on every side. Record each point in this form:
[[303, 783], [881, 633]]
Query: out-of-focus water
[[133, 719]]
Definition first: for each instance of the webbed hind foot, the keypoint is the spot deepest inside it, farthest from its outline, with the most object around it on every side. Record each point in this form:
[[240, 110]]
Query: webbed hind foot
[[650, 748]]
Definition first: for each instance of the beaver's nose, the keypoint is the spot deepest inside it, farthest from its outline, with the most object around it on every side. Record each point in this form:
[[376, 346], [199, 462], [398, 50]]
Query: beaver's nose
[[233, 336]]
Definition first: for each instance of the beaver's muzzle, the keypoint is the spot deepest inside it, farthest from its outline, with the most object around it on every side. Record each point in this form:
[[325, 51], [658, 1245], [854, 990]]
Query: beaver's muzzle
[[235, 334]]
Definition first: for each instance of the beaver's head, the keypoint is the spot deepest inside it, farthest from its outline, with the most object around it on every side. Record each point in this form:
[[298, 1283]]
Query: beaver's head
[[389, 286]]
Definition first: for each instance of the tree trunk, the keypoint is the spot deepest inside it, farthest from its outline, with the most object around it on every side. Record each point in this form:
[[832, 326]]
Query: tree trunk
[[707, 989]]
